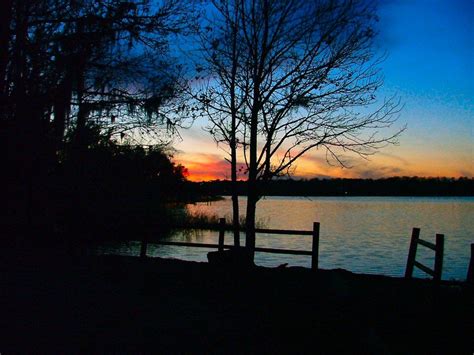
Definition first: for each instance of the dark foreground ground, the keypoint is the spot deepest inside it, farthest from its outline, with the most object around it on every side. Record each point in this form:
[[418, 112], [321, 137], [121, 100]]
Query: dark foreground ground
[[50, 303]]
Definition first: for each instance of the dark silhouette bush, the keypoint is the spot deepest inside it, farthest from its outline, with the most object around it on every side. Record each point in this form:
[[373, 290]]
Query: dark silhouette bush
[[112, 191]]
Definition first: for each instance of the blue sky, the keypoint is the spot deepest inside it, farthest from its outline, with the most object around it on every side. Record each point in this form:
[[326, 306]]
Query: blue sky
[[430, 48]]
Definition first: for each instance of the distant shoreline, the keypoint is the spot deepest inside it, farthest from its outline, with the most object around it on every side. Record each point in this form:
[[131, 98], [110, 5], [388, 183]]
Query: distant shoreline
[[386, 187], [308, 196]]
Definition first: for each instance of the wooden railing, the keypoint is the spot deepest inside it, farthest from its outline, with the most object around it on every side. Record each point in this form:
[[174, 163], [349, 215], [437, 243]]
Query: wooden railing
[[470, 269], [314, 252], [438, 249]]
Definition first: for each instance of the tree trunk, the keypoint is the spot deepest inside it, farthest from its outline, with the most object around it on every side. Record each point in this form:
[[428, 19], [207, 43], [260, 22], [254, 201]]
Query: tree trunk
[[250, 219], [5, 20], [233, 140], [235, 199], [79, 65], [61, 107], [23, 137], [252, 194], [81, 112]]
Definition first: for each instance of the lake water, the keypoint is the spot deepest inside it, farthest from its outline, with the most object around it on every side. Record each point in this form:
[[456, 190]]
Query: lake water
[[360, 234]]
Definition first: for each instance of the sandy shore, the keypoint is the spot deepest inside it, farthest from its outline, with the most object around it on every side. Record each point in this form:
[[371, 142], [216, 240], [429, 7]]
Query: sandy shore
[[123, 304]]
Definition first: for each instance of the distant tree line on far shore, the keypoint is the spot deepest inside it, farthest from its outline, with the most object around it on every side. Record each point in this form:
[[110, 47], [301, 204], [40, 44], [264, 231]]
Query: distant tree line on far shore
[[393, 186]]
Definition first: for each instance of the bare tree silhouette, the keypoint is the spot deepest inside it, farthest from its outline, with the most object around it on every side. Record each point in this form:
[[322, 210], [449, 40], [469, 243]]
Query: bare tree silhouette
[[293, 76]]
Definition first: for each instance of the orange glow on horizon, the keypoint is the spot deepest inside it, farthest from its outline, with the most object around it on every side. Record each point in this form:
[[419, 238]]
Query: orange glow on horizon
[[209, 167], [423, 153], [201, 177], [205, 167]]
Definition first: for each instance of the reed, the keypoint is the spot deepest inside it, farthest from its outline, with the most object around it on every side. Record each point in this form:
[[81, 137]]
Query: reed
[[200, 220]]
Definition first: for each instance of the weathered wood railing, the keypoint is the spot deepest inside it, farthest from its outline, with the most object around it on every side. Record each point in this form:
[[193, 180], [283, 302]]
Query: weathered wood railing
[[438, 249], [314, 252], [470, 269]]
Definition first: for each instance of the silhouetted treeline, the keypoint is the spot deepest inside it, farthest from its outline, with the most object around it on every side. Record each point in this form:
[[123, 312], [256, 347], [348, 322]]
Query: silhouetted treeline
[[394, 186], [109, 191], [122, 195], [76, 77]]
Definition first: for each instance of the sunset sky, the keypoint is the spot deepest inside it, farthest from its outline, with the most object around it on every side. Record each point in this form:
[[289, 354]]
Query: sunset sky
[[430, 46]]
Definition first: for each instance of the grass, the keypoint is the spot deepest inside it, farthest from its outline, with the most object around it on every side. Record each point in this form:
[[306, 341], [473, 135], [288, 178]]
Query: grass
[[200, 220]]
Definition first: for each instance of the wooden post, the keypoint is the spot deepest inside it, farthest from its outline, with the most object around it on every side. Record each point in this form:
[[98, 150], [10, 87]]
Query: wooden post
[[438, 267], [315, 247], [415, 235], [470, 270], [143, 247], [221, 233]]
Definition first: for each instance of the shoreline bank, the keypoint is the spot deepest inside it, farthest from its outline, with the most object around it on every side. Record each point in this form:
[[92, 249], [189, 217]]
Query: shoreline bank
[[116, 303]]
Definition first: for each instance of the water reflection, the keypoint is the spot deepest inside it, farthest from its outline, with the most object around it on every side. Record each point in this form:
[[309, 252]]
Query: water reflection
[[361, 234]]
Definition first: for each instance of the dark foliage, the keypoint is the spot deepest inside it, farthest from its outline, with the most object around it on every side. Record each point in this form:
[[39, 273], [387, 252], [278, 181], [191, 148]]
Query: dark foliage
[[68, 68], [108, 192], [394, 186], [121, 193]]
